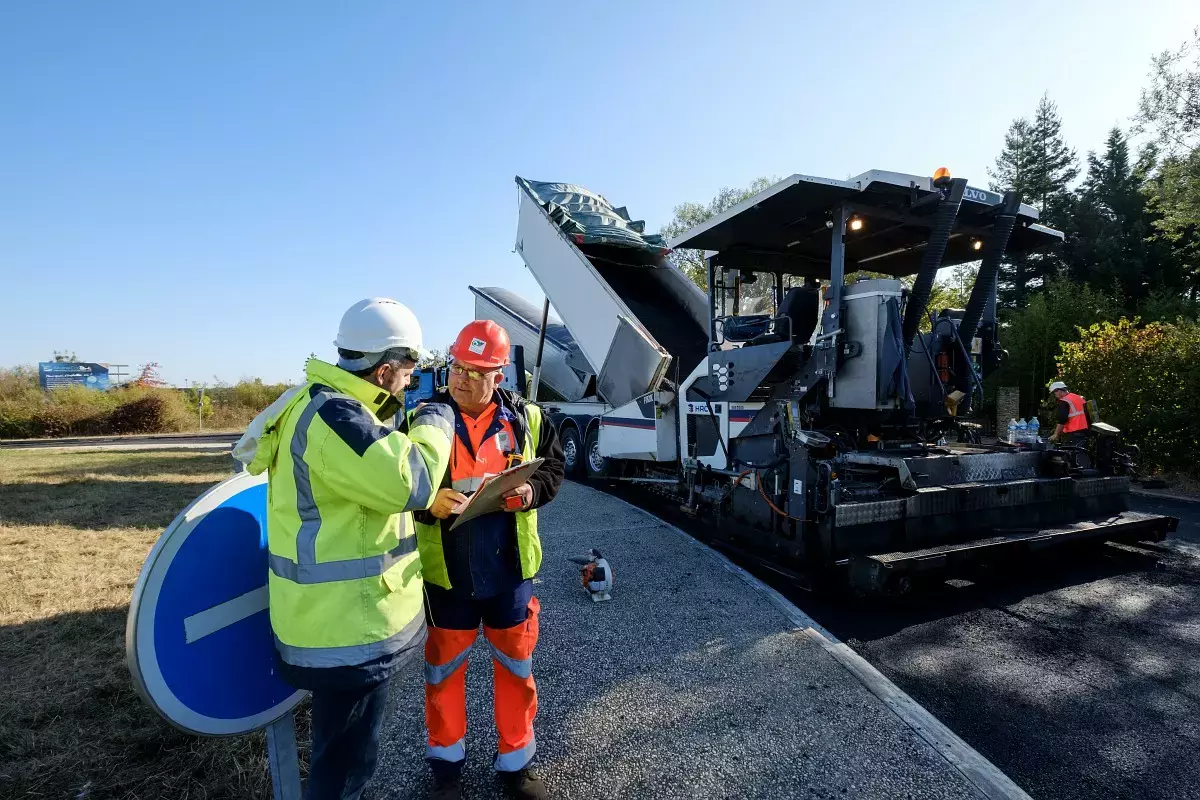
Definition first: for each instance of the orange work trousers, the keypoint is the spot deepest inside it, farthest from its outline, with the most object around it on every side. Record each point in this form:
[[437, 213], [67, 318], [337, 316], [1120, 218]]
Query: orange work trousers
[[514, 701]]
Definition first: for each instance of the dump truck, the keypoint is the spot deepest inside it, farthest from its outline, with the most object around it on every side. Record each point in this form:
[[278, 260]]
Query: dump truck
[[805, 405]]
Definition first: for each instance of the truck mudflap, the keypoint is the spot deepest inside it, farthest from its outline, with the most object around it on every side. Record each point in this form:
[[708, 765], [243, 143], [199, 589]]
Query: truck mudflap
[[887, 572]]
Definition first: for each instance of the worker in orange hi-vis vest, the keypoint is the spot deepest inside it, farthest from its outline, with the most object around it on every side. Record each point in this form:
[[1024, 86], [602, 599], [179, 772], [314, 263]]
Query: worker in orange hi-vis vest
[[482, 572], [1071, 419]]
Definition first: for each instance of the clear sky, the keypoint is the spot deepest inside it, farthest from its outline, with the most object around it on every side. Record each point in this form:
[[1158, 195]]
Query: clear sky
[[209, 185]]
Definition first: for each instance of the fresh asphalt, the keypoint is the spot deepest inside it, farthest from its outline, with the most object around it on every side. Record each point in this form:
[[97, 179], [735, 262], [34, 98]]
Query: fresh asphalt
[[1078, 675]]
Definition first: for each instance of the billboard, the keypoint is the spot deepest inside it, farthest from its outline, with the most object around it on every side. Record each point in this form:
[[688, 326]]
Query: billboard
[[55, 374]]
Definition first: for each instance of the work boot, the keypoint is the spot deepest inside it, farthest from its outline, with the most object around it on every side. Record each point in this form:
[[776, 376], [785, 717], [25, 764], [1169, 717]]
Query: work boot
[[448, 787], [525, 784]]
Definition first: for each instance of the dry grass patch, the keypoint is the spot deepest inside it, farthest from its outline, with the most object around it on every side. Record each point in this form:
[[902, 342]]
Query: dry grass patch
[[74, 531]]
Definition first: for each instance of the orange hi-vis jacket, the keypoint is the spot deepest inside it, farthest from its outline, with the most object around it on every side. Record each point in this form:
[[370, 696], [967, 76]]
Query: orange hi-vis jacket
[[472, 461], [1077, 419]]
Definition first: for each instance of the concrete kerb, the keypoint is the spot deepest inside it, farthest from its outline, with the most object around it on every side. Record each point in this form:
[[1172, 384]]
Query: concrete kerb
[[1166, 495], [982, 774]]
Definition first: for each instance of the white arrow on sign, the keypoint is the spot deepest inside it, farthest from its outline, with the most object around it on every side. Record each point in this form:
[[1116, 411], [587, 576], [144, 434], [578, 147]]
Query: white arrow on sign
[[211, 620]]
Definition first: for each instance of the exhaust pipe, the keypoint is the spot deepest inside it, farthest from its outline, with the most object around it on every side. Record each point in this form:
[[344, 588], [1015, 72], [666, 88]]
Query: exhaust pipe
[[931, 261]]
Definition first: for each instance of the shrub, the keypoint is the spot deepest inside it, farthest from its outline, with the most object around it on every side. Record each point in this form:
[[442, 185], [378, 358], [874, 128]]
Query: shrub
[[1032, 336], [76, 411], [17, 383], [1146, 380], [28, 412]]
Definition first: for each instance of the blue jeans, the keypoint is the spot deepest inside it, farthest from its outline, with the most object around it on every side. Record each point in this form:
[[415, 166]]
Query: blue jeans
[[345, 740]]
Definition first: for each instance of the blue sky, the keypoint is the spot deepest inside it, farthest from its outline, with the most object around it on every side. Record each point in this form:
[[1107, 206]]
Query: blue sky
[[209, 185]]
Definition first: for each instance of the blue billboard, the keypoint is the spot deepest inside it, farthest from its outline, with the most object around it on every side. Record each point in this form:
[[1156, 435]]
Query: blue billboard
[[56, 374]]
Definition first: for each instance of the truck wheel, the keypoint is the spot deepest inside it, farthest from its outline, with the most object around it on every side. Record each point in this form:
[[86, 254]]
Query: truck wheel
[[597, 465], [572, 451]]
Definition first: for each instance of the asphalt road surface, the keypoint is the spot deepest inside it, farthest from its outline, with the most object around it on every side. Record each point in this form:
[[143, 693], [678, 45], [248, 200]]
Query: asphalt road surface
[[1079, 677]]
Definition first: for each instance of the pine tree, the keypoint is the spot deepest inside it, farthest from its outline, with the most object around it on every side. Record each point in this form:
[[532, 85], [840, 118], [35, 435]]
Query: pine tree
[[1038, 164], [1055, 167], [1108, 245], [1013, 170], [1014, 165]]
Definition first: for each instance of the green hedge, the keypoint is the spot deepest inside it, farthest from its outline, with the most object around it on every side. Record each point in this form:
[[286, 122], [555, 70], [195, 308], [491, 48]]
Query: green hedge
[[1146, 380]]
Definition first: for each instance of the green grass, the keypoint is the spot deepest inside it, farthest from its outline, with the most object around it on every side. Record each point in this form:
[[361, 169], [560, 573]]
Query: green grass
[[75, 528]]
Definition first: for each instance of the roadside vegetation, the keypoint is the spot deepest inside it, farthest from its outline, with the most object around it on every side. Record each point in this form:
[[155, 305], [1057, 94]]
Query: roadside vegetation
[[143, 406]]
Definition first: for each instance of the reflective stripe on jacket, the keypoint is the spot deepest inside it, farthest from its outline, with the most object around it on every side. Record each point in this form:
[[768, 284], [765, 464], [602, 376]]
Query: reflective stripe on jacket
[[1077, 418], [345, 582], [529, 545]]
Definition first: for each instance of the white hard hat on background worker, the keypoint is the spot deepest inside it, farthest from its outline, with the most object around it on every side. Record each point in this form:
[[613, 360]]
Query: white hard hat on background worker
[[1054, 387], [374, 326]]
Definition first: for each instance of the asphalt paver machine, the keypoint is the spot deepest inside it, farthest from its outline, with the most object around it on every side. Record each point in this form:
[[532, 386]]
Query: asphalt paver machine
[[812, 406]]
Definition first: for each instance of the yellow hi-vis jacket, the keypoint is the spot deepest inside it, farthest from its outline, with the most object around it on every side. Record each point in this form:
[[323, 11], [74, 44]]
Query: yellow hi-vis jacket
[[345, 579]]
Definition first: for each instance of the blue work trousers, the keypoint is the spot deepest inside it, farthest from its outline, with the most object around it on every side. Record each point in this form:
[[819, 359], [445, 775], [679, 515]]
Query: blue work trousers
[[345, 740]]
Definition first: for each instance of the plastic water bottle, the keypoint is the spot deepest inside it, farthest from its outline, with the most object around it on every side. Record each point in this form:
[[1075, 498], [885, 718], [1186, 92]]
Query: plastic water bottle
[[1022, 431], [1033, 431], [1012, 431]]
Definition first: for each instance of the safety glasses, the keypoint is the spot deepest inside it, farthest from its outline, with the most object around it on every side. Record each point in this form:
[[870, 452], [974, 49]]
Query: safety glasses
[[473, 374]]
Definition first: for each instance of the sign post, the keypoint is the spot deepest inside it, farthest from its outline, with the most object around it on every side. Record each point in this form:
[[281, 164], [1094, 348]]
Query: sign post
[[198, 637], [284, 758]]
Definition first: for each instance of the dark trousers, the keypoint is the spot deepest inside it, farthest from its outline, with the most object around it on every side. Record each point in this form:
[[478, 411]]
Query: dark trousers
[[1073, 439], [345, 740], [458, 611]]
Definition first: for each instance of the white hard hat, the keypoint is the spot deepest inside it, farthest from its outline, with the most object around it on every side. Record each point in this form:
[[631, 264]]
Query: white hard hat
[[377, 324], [1054, 387]]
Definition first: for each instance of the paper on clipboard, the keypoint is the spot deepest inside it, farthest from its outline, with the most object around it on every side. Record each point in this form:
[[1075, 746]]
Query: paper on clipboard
[[487, 498]]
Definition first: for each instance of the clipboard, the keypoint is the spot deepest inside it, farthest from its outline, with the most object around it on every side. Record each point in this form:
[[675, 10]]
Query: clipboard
[[486, 498]]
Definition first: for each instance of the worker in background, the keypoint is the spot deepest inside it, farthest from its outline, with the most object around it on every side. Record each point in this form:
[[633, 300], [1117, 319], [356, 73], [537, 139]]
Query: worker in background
[[483, 571], [345, 583], [1071, 419]]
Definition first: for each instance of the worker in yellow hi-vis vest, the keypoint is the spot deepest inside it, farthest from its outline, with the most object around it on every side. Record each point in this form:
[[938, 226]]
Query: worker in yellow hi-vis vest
[[345, 576]]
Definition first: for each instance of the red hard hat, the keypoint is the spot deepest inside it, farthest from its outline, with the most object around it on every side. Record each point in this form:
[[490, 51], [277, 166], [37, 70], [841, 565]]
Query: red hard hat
[[482, 343]]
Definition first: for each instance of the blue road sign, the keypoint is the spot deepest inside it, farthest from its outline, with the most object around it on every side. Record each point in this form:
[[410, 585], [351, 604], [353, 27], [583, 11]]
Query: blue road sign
[[198, 636]]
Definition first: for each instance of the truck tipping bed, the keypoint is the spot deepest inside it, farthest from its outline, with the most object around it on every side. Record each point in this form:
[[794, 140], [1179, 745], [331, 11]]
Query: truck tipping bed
[[635, 317], [564, 370]]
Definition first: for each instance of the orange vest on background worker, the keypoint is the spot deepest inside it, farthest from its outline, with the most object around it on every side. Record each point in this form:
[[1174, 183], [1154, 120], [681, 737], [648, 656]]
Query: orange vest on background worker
[[1077, 419]]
